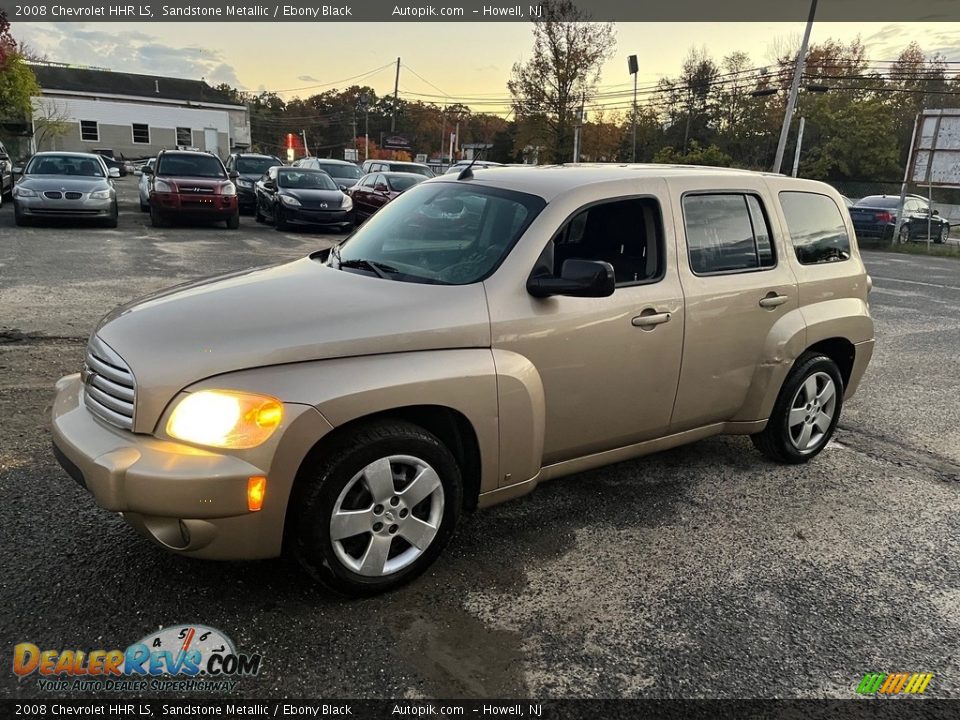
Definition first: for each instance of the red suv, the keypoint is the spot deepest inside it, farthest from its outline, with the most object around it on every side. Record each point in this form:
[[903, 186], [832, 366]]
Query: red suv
[[192, 185]]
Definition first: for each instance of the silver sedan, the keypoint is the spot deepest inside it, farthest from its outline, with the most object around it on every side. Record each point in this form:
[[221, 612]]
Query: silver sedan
[[65, 185], [144, 185]]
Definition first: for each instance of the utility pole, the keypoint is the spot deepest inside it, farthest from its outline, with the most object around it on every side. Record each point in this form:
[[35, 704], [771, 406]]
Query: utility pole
[[443, 131], [578, 130], [306, 150], [796, 154], [634, 67], [794, 89], [365, 101], [396, 89]]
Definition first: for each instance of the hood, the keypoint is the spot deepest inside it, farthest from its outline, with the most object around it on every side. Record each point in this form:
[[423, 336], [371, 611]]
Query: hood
[[63, 182], [314, 198], [295, 312]]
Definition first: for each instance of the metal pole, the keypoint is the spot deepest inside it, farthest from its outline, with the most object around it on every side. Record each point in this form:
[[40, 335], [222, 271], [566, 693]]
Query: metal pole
[[794, 89], [929, 208], [306, 150], [906, 179], [443, 131], [366, 133], [396, 88], [633, 157], [796, 155]]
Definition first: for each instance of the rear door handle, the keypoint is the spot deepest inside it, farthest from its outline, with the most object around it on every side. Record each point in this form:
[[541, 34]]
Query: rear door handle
[[772, 300], [650, 319]]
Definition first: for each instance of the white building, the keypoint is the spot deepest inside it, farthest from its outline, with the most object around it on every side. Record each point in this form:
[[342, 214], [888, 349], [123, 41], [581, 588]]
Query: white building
[[81, 109]]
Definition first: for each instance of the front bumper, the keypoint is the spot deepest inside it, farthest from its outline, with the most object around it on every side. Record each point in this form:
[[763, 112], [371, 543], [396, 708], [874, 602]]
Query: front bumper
[[200, 205], [84, 207], [186, 499], [310, 216], [246, 197]]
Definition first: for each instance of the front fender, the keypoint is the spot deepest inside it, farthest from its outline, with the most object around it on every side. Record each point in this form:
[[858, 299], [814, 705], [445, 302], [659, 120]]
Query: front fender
[[347, 389]]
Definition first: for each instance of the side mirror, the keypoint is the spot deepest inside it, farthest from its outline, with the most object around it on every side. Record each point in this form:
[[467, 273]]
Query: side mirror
[[380, 187], [147, 170], [233, 175], [578, 278], [936, 212], [17, 170], [343, 188], [114, 172]]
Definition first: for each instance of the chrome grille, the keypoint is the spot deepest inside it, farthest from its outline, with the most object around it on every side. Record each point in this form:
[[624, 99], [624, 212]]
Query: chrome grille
[[53, 194], [73, 195], [109, 388], [195, 189]]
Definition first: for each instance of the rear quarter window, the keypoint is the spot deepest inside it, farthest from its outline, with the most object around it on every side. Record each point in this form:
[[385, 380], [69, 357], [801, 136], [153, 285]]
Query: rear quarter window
[[816, 227]]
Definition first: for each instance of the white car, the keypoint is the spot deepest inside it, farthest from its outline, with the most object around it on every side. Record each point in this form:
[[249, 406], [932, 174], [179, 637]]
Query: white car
[[144, 186]]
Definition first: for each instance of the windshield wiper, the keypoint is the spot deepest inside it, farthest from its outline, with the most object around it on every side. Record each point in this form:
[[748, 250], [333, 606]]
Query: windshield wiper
[[379, 268]]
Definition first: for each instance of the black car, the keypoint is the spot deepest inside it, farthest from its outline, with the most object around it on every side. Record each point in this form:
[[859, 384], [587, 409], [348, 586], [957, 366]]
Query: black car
[[875, 216], [6, 172], [301, 196], [249, 167]]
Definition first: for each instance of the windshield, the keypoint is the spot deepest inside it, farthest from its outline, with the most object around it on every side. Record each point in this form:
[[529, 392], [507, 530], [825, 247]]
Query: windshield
[[341, 172], [879, 201], [305, 180], [412, 168], [200, 166], [255, 165], [75, 165], [446, 233], [400, 183]]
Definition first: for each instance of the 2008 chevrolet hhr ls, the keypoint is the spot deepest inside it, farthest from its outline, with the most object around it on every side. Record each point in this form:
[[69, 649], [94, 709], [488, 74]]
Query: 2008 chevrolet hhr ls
[[482, 333]]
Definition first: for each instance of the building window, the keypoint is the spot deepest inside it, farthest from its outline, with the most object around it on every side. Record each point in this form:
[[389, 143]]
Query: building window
[[184, 136], [727, 233], [141, 134], [89, 131]]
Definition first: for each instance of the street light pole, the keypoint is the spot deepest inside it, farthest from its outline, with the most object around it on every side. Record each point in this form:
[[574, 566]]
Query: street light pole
[[794, 89]]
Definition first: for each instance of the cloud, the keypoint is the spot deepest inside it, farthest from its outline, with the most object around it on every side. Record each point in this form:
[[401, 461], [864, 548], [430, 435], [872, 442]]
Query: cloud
[[138, 52], [308, 78]]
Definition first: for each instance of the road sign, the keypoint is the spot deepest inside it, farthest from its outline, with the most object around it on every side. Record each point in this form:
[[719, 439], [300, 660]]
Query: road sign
[[936, 152]]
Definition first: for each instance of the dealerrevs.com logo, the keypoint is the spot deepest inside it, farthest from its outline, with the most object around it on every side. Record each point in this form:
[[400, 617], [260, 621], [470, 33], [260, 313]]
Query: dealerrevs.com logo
[[894, 683], [180, 658]]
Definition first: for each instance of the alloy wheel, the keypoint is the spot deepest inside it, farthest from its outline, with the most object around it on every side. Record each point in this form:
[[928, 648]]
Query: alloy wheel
[[812, 412], [387, 515]]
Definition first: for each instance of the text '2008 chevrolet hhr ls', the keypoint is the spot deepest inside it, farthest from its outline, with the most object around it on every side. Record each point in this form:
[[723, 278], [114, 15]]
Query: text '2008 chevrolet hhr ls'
[[482, 333]]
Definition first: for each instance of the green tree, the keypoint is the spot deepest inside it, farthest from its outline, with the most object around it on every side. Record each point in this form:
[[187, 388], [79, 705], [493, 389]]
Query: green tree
[[568, 52], [17, 81]]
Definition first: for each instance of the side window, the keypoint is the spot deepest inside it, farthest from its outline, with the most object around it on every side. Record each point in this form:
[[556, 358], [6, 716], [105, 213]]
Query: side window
[[628, 234], [368, 182], [727, 233], [816, 227]]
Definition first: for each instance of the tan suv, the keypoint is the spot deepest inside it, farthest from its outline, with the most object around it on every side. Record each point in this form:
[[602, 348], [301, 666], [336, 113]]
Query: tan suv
[[477, 336]]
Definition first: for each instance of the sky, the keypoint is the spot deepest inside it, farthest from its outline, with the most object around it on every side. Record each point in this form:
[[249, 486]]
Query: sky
[[459, 60]]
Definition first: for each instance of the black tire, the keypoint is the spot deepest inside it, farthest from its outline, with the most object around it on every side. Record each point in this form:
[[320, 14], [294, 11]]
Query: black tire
[[18, 218], [257, 215], [775, 440], [144, 207], [278, 222], [346, 229], [156, 218], [904, 234], [114, 219], [320, 486], [233, 222], [944, 234]]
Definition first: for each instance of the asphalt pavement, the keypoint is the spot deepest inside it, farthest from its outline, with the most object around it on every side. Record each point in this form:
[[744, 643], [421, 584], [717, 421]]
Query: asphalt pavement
[[705, 571]]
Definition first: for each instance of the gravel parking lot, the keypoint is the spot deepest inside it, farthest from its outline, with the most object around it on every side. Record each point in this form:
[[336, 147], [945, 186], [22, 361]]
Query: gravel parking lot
[[705, 571]]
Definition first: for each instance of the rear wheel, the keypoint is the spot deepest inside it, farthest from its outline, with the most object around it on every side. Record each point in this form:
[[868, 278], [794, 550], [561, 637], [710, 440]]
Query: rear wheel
[[806, 412], [377, 509]]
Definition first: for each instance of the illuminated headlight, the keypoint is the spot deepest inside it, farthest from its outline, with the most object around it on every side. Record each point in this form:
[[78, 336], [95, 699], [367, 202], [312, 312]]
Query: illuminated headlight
[[228, 189], [225, 419], [347, 203], [244, 183], [23, 192], [100, 195], [289, 200], [163, 186]]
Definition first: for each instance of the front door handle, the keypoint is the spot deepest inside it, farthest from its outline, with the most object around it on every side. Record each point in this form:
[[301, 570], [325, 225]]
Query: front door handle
[[649, 319], [772, 300]]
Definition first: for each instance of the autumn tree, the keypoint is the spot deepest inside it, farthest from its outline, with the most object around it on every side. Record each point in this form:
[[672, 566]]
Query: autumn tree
[[564, 68]]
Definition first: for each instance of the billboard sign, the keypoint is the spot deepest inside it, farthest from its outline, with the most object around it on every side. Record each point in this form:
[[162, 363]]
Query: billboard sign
[[936, 151], [396, 141]]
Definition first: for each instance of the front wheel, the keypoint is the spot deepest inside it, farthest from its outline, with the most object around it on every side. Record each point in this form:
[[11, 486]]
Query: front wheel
[[377, 508], [944, 234], [156, 218], [18, 217], [904, 234], [233, 222], [806, 412]]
